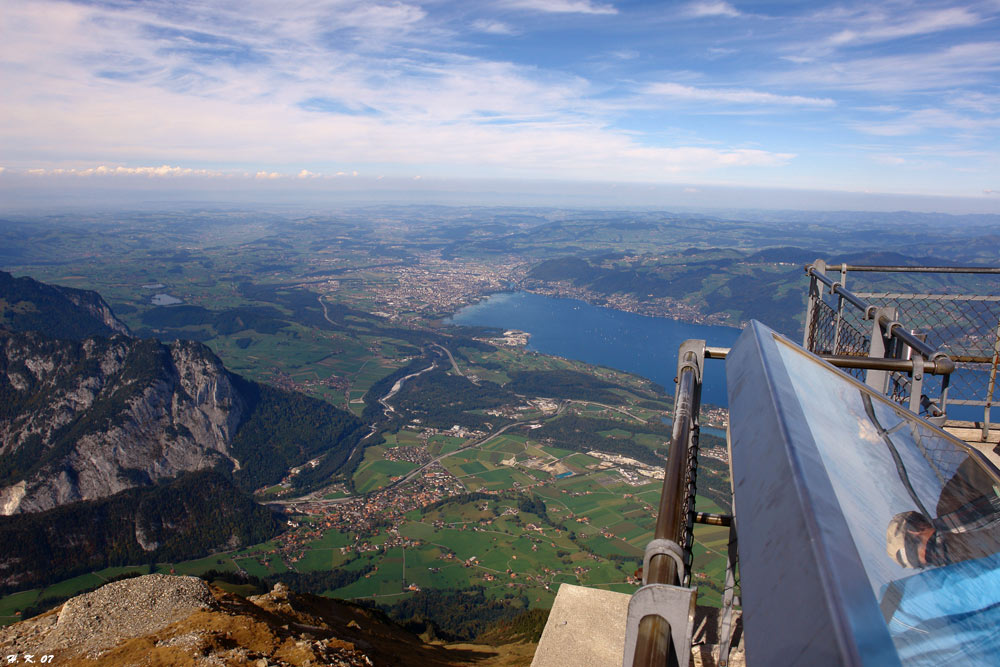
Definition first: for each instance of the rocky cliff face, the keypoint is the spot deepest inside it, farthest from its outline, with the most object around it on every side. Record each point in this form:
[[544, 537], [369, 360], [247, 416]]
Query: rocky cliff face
[[92, 303], [84, 420]]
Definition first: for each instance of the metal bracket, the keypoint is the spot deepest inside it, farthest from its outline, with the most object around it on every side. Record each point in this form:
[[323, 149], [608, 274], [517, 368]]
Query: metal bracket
[[691, 354], [879, 347], [663, 548], [673, 604], [917, 384]]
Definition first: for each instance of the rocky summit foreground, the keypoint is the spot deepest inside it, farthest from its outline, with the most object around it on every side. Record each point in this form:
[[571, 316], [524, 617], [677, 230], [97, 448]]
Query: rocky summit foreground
[[167, 620]]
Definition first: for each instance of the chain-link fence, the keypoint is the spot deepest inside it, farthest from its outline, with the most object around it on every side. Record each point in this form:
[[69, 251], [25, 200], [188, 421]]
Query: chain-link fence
[[961, 325], [829, 332], [955, 313]]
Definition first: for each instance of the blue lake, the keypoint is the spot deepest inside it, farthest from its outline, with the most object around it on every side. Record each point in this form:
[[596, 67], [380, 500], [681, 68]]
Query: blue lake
[[646, 346], [165, 300]]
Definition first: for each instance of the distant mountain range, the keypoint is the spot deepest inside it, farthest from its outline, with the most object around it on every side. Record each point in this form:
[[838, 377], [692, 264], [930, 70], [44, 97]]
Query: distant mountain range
[[88, 412]]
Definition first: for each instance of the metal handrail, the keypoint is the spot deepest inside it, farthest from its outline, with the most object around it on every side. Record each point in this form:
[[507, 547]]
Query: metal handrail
[[915, 269], [942, 365], [892, 328], [655, 639], [670, 519]]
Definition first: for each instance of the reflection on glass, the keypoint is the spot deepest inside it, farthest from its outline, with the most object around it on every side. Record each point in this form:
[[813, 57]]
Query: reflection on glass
[[923, 511]]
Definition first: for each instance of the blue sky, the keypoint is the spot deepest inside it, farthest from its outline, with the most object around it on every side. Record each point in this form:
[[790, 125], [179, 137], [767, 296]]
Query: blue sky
[[890, 97]]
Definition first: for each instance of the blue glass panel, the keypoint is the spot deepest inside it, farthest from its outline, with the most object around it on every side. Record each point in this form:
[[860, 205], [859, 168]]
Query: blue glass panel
[[922, 508]]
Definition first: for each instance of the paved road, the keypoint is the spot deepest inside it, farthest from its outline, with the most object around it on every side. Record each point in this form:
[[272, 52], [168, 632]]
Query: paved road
[[610, 407], [453, 364]]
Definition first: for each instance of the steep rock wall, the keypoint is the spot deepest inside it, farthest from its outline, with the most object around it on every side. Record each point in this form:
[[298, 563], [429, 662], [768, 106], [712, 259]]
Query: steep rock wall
[[84, 420]]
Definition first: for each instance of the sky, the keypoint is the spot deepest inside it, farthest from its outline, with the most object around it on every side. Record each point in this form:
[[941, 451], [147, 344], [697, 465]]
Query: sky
[[682, 101]]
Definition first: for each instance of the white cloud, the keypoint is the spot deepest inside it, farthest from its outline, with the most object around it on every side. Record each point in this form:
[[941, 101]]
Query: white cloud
[[893, 160], [976, 101], [720, 52], [431, 108], [163, 171], [564, 6], [882, 27], [968, 64], [924, 120], [492, 27], [687, 158], [393, 16], [305, 173], [733, 95], [711, 8], [867, 432]]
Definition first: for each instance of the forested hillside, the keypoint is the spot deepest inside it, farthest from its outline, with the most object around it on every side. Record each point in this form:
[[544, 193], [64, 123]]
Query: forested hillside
[[188, 517], [61, 312]]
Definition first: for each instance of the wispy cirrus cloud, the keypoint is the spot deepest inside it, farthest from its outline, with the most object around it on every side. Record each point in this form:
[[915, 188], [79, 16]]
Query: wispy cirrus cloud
[[879, 25], [493, 27], [711, 8], [309, 99], [564, 6], [924, 120], [945, 68], [733, 96], [686, 158], [319, 87], [976, 101], [387, 16]]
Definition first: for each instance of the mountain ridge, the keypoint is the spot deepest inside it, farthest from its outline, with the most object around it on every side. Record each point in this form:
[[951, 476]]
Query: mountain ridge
[[111, 445], [162, 619], [61, 312]]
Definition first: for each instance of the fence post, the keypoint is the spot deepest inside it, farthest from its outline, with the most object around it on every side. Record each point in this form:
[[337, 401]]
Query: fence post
[[819, 266], [991, 385], [879, 348], [840, 311]]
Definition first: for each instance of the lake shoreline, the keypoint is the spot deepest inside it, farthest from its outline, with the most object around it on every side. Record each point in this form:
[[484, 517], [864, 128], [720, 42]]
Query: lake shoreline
[[644, 345], [665, 308]]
